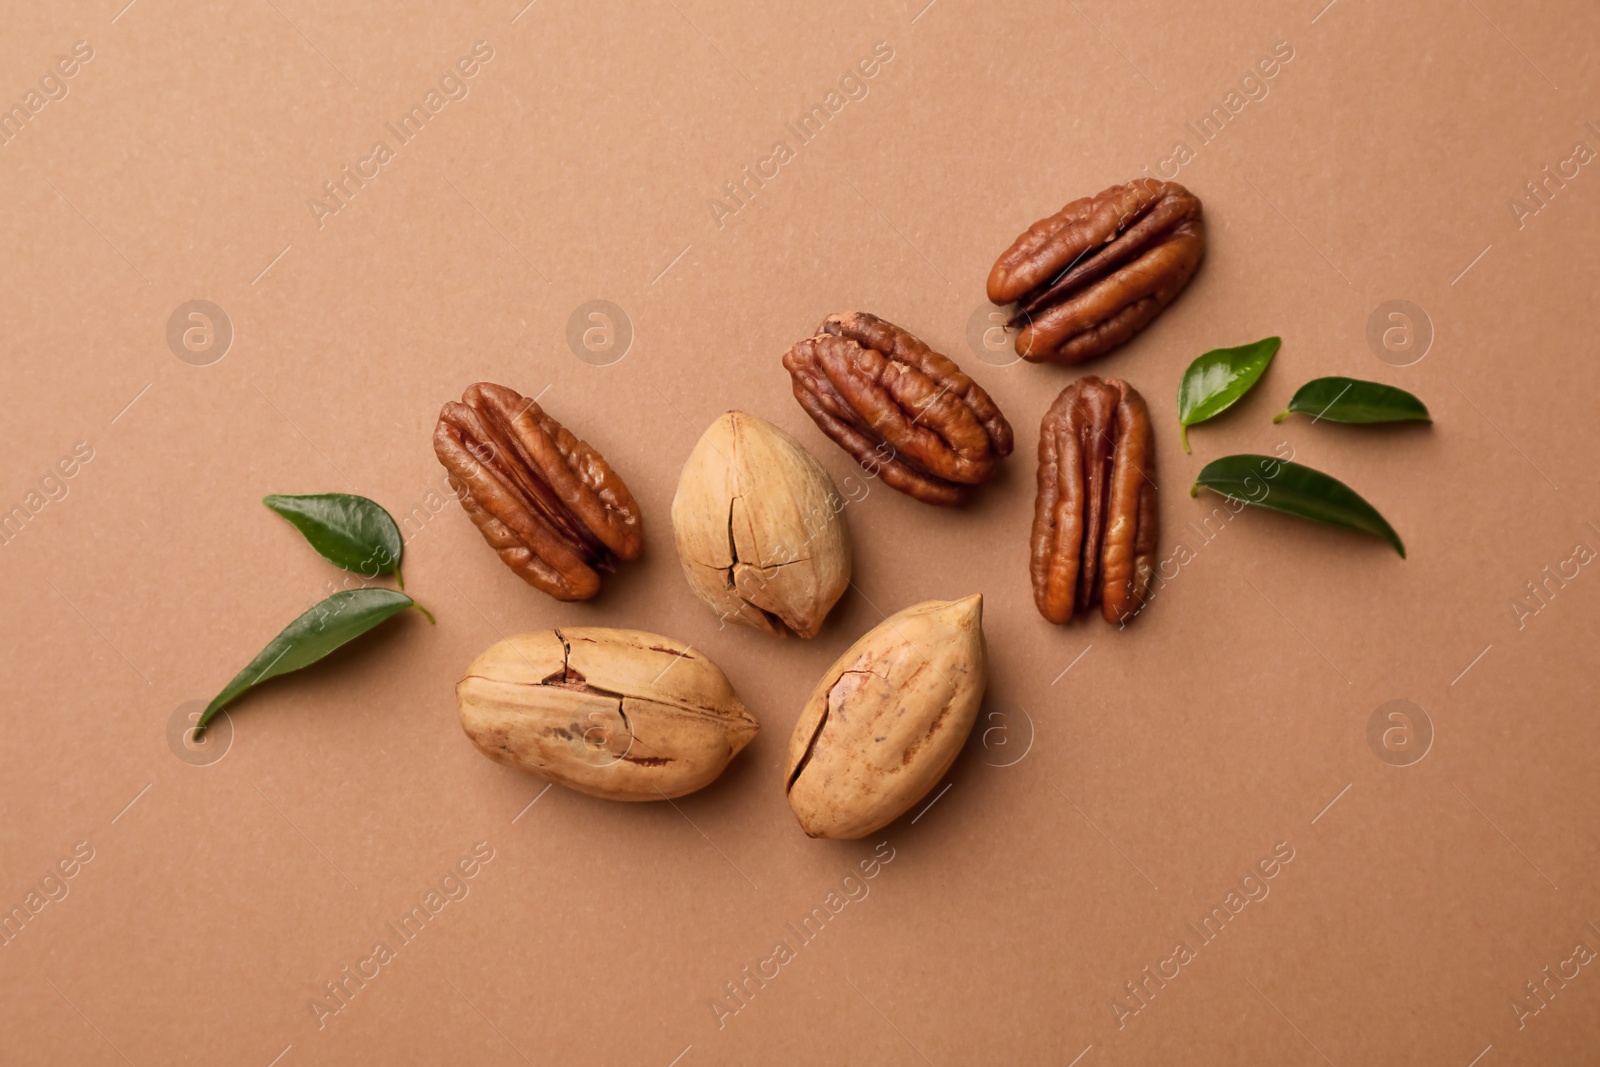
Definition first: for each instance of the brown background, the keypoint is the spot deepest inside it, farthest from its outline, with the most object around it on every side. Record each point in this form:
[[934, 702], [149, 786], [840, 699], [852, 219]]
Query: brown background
[[1163, 765]]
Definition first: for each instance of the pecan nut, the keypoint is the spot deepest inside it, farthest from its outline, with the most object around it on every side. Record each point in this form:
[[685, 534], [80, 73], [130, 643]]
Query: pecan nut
[[548, 503], [888, 719], [1094, 520], [618, 714], [1095, 273], [898, 407], [760, 529]]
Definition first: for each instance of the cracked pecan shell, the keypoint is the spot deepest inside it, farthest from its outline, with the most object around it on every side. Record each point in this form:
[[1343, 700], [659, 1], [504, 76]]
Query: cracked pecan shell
[[888, 719], [760, 529], [901, 410], [1095, 273], [1094, 520], [618, 714], [548, 503]]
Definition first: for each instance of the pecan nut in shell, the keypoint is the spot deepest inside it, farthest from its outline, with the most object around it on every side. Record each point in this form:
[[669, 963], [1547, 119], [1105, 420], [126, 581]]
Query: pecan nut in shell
[[1095, 273], [1094, 520], [888, 719], [548, 503], [617, 714], [902, 410], [760, 528]]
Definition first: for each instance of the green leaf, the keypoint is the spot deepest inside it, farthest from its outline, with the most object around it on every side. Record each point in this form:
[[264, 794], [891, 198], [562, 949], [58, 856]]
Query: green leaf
[[1215, 380], [1339, 399], [341, 618], [1277, 484], [348, 531]]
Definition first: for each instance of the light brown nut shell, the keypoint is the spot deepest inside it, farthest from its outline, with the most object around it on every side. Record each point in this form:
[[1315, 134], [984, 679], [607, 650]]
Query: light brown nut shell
[[618, 714], [760, 528], [888, 719]]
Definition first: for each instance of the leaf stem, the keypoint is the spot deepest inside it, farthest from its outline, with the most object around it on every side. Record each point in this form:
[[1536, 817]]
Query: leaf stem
[[322, 628], [426, 613], [205, 719]]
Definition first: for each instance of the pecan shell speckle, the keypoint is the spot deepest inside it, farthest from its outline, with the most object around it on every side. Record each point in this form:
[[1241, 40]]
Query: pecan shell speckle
[[547, 502], [1095, 273], [901, 410], [1094, 521]]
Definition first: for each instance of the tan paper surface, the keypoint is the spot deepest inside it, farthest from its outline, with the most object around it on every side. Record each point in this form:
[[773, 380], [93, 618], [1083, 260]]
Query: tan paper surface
[[1126, 786]]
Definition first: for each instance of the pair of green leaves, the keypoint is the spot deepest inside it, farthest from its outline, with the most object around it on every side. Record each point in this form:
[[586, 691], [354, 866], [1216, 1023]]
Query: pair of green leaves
[[1218, 379], [356, 534]]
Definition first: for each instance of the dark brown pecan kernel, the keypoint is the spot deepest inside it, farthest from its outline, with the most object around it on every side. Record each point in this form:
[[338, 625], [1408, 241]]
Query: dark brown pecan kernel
[[546, 501], [899, 408], [1094, 521], [1096, 272]]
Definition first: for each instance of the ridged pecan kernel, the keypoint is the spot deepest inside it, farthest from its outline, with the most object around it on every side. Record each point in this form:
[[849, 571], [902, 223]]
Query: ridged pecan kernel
[[548, 503], [1094, 521], [899, 408], [1095, 273]]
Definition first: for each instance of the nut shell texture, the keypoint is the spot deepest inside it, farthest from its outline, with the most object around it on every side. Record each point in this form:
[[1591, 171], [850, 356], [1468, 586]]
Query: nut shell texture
[[618, 714], [888, 719], [760, 529]]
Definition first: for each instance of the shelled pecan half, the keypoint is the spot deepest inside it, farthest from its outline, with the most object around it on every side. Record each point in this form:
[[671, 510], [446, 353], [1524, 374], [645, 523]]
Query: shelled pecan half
[[547, 502], [898, 407], [1096, 272], [1094, 520]]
